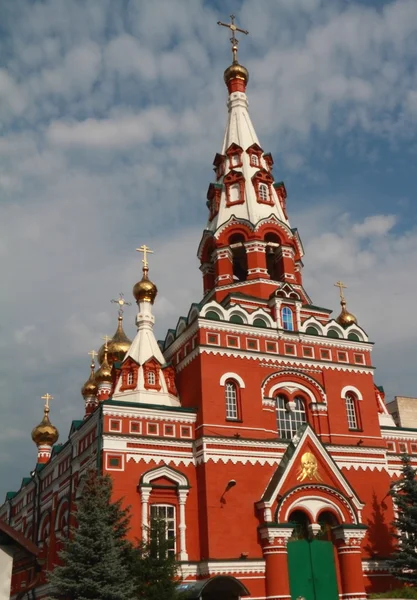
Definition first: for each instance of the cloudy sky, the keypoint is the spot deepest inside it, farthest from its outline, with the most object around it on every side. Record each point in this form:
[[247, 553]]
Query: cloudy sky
[[111, 112]]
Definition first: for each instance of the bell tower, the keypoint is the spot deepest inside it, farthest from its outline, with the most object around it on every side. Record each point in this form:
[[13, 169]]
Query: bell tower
[[248, 245]]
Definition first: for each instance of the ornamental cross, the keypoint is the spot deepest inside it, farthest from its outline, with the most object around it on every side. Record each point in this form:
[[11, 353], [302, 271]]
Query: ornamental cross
[[145, 251], [106, 340], [121, 302], [233, 28], [47, 397], [93, 354], [341, 287]]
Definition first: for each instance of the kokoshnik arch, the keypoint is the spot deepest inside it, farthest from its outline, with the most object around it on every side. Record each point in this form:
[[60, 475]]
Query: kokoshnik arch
[[255, 430]]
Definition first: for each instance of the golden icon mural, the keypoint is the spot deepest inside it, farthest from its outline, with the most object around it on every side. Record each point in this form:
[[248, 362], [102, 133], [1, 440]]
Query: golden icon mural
[[309, 468]]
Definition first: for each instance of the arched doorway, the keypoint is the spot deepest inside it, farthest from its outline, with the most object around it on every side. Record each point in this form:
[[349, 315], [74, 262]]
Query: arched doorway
[[311, 564], [221, 587]]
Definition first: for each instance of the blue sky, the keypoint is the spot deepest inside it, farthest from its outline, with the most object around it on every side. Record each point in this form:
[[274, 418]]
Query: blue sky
[[110, 116]]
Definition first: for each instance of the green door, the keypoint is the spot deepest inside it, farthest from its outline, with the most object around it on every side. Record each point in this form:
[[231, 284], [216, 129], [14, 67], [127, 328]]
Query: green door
[[312, 570]]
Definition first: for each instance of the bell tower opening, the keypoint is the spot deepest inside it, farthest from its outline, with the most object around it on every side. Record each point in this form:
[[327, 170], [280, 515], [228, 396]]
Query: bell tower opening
[[272, 260], [240, 259]]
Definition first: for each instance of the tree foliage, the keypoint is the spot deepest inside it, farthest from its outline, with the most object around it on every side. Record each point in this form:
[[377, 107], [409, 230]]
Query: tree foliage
[[95, 560], [404, 495]]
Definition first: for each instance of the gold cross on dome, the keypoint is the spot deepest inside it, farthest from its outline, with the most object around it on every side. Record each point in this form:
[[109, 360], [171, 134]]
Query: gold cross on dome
[[47, 398], [121, 302], [145, 251], [341, 286], [233, 28], [106, 339], [93, 354]]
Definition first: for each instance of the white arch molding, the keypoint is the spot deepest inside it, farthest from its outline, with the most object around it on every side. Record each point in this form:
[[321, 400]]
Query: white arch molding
[[145, 489], [292, 387], [313, 505], [233, 376], [351, 388]]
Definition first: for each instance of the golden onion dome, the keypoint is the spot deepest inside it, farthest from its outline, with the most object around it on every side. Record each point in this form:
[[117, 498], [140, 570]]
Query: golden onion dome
[[104, 373], [117, 346], [145, 290], [346, 318], [90, 386], [45, 433], [236, 71]]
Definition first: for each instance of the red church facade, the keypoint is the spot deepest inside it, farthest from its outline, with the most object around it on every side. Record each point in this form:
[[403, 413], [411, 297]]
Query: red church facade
[[256, 430]]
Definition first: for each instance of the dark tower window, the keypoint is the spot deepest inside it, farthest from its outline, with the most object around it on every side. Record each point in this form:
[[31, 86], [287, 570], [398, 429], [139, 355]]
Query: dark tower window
[[240, 260], [271, 250]]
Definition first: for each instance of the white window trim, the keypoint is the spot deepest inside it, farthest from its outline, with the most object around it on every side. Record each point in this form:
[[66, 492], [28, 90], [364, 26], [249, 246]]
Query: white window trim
[[136, 423], [157, 428], [353, 390], [234, 376]]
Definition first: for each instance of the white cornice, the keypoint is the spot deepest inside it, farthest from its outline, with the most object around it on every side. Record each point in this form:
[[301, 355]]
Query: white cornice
[[149, 413], [398, 434]]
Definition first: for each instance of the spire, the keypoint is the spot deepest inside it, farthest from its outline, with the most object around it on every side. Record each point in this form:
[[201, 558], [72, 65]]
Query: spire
[[245, 186], [45, 435], [345, 318], [144, 375], [89, 389]]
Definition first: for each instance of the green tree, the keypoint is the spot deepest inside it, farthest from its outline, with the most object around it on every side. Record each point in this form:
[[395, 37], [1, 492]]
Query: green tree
[[96, 560], [404, 494], [154, 566]]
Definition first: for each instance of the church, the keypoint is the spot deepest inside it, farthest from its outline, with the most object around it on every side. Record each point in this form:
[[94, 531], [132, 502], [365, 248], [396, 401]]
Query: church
[[255, 430]]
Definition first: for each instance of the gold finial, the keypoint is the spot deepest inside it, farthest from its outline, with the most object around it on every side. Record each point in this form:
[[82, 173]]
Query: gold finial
[[47, 398], [341, 286], [106, 339], [345, 318], [121, 302], [145, 251], [233, 28]]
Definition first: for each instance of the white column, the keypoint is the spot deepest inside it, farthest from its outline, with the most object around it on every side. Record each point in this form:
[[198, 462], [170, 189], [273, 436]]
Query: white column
[[144, 497], [182, 495]]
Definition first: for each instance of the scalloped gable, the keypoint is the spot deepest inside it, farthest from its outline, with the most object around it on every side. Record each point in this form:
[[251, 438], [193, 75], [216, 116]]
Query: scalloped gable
[[285, 476]]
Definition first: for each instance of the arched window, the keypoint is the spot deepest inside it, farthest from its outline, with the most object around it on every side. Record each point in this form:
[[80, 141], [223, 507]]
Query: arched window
[[260, 323], [312, 331], [236, 319], [290, 417], [354, 337], [151, 377], [130, 378], [287, 319], [263, 192], [272, 259], [254, 160], [235, 160], [210, 314], [332, 333], [352, 411], [231, 399]]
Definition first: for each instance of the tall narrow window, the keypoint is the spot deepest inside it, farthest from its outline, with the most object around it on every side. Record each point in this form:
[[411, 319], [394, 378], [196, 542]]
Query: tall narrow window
[[151, 378], [163, 528], [230, 392], [351, 411], [289, 417], [263, 192], [234, 193], [287, 319], [254, 160], [130, 378], [240, 260]]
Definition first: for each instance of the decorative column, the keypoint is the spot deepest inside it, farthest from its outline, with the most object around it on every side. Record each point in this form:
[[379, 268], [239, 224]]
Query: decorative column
[[348, 541], [144, 498], [274, 547], [255, 252], [224, 266], [182, 497]]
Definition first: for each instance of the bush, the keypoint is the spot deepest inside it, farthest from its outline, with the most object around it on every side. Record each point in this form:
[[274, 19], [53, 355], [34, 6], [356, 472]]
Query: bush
[[406, 592]]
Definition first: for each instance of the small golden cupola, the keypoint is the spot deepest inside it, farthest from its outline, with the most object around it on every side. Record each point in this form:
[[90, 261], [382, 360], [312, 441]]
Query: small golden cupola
[[119, 343], [345, 319], [45, 435], [103, 377], [144, 290], [236, 76], [89, 389]]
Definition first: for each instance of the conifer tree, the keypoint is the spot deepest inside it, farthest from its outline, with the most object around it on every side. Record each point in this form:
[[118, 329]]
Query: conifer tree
[[404, 494], [95, 563]]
